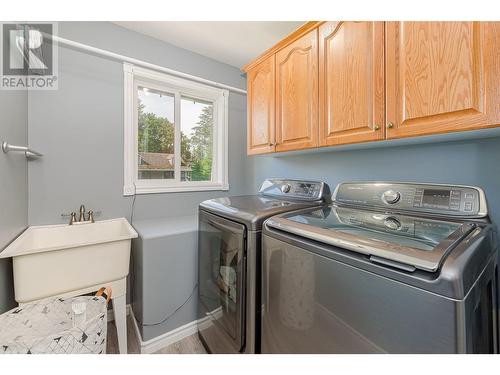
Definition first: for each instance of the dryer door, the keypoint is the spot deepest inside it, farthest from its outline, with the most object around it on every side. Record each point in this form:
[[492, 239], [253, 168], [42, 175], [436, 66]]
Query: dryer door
[[222, 245]]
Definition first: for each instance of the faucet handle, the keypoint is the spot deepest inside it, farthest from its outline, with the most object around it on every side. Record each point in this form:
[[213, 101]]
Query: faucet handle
[[73, 218], [91, 216]]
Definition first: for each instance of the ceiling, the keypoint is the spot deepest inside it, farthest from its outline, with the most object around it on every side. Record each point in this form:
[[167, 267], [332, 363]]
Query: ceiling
[[234, 43]]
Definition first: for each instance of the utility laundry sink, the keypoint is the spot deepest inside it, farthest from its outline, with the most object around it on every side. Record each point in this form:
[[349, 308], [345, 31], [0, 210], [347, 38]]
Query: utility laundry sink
[[70, 260]]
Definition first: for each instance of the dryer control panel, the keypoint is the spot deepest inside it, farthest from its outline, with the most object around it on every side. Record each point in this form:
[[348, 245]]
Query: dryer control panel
[[447, 200], [296, 189]]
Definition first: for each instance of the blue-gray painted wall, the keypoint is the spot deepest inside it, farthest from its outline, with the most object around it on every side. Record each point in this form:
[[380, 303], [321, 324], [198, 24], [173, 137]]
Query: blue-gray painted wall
[[13, 183], [79, 127]]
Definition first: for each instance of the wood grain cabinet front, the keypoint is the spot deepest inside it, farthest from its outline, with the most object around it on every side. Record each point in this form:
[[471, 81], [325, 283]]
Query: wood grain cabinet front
[[333, 83], [351, 82], [261, 108], [441, 77], [297, 94]]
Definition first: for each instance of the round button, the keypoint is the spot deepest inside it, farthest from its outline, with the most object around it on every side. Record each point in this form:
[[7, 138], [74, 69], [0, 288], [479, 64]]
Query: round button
[[285, 188], [392, 223], [391, 196]]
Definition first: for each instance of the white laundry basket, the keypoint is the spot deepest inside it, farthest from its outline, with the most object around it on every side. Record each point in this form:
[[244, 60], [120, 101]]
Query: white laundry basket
[[46, 326]]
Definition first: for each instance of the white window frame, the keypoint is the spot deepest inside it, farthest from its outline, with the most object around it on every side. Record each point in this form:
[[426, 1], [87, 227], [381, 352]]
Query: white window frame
[[135, 76]]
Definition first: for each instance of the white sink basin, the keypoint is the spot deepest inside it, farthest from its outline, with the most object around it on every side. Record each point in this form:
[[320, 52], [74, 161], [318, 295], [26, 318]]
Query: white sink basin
[[54, 260], [71, 260]]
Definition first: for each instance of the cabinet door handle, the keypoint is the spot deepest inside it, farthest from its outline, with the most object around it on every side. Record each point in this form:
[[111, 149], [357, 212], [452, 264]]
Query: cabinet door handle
[[376, 127], [390, 125]]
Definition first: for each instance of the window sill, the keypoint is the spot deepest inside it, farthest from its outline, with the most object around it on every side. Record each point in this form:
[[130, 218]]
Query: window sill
[[157, 189]]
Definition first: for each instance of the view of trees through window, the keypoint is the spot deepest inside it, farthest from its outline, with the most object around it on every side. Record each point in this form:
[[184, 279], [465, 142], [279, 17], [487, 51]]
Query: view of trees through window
[[156, 137]]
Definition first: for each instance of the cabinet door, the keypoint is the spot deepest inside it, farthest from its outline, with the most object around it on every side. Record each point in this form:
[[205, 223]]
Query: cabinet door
[[441, 77], [261, 106], [297, 94], [351, 82]]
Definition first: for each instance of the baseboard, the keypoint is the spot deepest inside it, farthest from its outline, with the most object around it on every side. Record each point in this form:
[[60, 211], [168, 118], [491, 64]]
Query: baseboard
[[162, 341]]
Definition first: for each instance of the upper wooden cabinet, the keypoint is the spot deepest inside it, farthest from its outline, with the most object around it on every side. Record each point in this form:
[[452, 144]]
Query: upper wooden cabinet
[[297, 94], [261, 107], [351, 82], [441, 77], [333, 83]]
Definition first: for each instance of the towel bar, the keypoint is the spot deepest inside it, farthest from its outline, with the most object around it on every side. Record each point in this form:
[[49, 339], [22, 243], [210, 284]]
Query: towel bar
[[30, 154]]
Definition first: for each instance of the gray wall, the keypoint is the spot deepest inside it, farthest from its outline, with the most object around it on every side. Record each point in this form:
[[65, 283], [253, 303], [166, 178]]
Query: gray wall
[[13, 183], [80, 129], [475, 162]]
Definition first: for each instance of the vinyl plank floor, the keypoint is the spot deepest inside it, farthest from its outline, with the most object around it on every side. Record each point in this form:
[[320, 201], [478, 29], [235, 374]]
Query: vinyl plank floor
[[188, 345]]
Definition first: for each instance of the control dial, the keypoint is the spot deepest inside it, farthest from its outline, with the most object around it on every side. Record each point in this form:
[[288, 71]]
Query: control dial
[[392, 223], [285, 188], [391, 196]]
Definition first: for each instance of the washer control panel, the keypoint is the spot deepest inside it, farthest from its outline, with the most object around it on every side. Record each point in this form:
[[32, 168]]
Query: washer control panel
[[436, 199], [296, 189]]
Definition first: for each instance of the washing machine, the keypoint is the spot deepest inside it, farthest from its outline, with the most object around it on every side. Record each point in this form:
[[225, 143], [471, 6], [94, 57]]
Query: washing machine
[[229, 260], [388, 267]]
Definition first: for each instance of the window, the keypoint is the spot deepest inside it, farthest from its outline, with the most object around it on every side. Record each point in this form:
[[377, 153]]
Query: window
[[175, 134]]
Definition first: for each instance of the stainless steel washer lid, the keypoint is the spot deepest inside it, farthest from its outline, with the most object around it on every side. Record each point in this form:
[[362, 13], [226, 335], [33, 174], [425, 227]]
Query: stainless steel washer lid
[[418, 242], [252, 210]]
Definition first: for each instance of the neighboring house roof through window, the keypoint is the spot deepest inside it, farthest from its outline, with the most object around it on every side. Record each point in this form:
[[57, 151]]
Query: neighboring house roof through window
[[159, 161]]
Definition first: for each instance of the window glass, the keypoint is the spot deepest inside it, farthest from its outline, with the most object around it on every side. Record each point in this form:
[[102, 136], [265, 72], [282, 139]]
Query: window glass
[[197, 139], [175, 134], [156, 147]]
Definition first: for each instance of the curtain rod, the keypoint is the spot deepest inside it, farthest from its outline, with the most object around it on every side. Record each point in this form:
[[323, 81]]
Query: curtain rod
[[131, 60]]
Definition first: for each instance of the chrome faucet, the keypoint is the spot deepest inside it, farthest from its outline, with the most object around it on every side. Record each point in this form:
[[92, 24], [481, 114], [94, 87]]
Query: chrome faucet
[[81, 219], [82, 213]]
